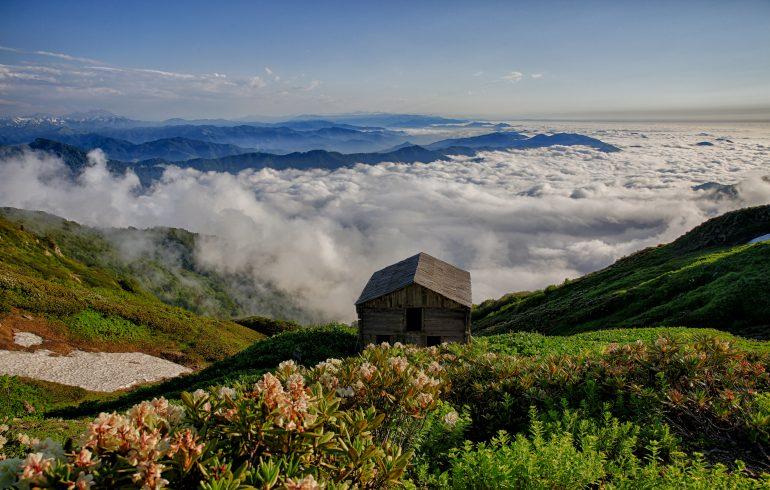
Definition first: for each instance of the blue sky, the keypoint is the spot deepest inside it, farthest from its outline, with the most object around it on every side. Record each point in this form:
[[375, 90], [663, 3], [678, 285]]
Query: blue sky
[[494, 59]]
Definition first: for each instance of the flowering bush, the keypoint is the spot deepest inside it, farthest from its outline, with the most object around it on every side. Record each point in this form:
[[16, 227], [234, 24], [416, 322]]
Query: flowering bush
[[338, 424], [400, 415], [706, 390]]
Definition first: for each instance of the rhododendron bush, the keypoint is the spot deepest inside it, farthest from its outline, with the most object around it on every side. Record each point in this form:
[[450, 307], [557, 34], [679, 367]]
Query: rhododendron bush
[[339, 424], [448, 416]]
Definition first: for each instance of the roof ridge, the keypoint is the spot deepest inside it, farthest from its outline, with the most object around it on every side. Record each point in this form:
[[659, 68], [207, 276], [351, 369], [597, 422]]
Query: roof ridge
[[425, 270]]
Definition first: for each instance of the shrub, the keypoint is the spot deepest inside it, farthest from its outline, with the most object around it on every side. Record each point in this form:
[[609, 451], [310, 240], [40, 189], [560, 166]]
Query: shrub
[[349, 423], [631, 416], [577, 453]]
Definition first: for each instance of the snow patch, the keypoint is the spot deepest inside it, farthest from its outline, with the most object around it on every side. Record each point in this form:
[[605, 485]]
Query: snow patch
[[27, 339], [95, 371], [762, 238]]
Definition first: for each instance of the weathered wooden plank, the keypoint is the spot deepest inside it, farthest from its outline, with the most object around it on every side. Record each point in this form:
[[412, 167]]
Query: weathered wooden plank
[[412, 296]]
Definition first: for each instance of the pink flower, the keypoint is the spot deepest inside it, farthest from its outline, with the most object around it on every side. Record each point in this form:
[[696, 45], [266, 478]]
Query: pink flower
[[367, 370], [34, 466], [398, 363], [150, 475], [83, 458], [451, 418], [424, 400], [307, 483], [84, 482]]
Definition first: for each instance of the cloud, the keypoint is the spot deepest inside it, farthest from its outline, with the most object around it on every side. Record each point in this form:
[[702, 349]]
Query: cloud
[[517, 220], [73, 81], [257, 82], [513, 77], [272, 74], [537, 75], [64, 56], [478, 73]]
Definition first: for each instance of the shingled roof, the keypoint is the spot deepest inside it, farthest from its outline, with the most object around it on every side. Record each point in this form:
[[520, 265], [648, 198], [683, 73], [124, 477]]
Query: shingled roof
[[425, 270]]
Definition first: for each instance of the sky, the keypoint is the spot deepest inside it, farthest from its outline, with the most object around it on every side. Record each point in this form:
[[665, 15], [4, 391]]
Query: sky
[[499, 60]]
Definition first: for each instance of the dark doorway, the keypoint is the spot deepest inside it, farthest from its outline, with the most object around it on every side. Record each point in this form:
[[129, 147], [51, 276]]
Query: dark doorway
[[432, 340], [413, 319]]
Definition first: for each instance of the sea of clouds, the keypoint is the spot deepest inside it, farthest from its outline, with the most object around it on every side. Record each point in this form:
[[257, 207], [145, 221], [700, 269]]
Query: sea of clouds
[[517, 220]]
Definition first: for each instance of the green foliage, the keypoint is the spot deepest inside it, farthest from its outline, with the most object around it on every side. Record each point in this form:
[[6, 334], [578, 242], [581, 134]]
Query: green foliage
[[267, 326], [24, 396], [704, 390], [526, 463], [37, 277], [306, 346], [577, 453], [92, 325], [707, 278]]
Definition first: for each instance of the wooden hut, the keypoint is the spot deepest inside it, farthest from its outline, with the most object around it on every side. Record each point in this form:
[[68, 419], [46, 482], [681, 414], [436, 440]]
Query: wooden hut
[[421, 300]]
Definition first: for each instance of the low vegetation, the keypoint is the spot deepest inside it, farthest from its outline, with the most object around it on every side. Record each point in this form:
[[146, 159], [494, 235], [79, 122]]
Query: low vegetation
[[710, 277], [160, 261], [659, 408], [90, 307]]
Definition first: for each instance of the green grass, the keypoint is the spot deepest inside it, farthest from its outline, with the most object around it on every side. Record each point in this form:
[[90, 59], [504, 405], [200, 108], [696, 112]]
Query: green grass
[[159, 261], [97, 306], [307, 346], [536, 344], [21, 396], [311, 345], [267, 326], [696, 281], [92, 325]]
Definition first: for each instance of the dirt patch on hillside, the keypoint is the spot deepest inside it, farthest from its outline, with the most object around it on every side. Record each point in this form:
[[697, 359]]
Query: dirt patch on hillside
[[57, 340], [54, 337]]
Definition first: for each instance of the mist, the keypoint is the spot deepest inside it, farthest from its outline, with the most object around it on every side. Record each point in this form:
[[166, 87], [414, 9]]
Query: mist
[[517, 220]]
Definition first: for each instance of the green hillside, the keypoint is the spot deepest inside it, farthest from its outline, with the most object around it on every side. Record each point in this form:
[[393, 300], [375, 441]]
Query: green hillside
[[162, 261], [710, 277], [81, 306]]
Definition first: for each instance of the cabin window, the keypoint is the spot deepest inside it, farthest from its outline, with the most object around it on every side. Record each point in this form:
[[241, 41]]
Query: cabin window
[[432, 340], [383, 338], [413, 319]]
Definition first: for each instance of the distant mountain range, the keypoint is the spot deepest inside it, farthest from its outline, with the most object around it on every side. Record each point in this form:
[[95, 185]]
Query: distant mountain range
[[275, 139], [171, 149], [386, 120], [511, 140], [125, 155], [327, 142]]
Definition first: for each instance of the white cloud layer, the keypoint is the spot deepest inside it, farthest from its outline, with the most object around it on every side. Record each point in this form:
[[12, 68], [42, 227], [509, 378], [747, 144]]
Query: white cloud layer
[[517, 220]]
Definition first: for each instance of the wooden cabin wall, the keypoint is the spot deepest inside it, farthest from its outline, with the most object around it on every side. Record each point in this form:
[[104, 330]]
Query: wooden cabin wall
[[413, 296], [385, 316]]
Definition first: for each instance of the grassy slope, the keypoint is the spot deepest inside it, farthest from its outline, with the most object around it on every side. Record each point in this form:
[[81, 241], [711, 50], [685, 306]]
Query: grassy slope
[[311, 345], [306, 346], [707, 278], [21, 396], [93, 306], [162, 261]]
